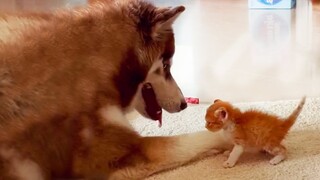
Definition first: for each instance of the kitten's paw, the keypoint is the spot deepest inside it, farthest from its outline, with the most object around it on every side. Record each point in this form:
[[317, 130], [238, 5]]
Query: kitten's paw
[[228, 164], [274, 161], [227, 153], [277, 159]]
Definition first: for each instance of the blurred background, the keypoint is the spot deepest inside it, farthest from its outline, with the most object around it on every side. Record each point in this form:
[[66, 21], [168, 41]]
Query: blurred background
[[226, 50]]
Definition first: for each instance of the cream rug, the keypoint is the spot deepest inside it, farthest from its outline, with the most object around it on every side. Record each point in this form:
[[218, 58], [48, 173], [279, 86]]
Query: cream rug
[[302, 142]]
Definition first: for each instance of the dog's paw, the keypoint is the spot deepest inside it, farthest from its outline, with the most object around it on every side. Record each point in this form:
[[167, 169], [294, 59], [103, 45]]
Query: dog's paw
[[228, 164], [209, 153], [214, 151]]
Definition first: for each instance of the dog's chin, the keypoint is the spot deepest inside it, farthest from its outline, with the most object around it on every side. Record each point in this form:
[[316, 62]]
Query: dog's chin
[[147, 104], [140, 106], [152, 116], [144, 114]]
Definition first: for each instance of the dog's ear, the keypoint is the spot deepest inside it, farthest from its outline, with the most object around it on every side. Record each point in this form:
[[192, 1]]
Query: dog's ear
[[163, 20], [155, 23]]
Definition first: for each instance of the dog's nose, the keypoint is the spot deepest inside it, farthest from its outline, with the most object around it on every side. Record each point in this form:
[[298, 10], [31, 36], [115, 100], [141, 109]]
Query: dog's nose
[[183, 105]]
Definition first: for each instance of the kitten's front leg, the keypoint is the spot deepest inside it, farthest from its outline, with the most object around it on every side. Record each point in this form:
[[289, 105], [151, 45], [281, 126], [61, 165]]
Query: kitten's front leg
[[234, 156]]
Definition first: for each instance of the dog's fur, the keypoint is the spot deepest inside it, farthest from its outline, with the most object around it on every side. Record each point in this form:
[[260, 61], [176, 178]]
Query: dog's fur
[[66, 85]]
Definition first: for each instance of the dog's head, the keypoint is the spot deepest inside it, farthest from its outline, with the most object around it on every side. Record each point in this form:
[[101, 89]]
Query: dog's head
[[155, 52]]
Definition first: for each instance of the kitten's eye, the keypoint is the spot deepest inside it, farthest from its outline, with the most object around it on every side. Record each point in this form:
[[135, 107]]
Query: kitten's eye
[[165, 66]]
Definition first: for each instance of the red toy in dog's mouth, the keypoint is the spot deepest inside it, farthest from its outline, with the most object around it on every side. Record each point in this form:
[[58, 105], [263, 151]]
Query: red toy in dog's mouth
[[152, 107]]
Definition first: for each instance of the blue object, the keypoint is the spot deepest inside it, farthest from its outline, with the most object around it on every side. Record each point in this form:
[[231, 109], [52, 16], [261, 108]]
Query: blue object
[[271, 4]]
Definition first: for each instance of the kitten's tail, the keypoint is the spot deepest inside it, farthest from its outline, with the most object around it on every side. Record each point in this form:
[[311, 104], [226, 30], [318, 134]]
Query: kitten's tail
[[294, 115]]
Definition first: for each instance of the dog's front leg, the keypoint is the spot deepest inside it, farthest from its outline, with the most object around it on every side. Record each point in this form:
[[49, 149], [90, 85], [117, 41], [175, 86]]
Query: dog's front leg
[[167, 152]]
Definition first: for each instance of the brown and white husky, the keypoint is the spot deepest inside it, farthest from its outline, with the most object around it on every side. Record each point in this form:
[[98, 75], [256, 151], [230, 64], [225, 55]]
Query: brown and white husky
[[67, 83]]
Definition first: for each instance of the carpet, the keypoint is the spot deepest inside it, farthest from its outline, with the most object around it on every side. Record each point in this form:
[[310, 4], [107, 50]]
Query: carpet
[[302, 142]]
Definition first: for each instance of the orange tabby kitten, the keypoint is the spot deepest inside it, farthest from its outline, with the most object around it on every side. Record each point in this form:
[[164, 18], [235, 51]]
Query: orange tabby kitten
[[251, 128]]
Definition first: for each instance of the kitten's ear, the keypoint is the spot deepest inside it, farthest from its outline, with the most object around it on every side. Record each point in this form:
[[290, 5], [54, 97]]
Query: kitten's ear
[[217, 100], [222, 114], [163, 21]]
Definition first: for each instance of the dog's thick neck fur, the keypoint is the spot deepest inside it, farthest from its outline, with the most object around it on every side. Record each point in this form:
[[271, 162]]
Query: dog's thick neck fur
[[82, 52]]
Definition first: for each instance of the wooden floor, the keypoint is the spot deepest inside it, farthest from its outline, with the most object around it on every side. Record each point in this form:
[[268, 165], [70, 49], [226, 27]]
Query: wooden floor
[[224, 50]]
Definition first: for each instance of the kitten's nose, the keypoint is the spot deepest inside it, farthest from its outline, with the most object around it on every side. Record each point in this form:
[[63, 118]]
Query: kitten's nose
[[183, 105]]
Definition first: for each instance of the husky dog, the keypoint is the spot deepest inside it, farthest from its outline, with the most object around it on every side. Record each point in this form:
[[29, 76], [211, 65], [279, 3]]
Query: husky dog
[[66, 85]]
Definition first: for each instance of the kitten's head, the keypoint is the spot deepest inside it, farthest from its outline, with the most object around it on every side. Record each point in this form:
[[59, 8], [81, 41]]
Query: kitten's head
[[217, 114]]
